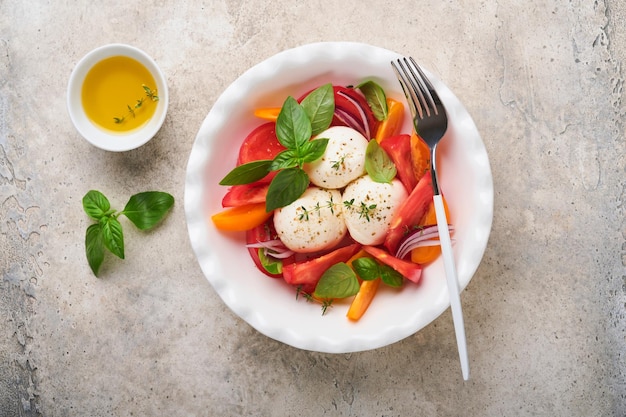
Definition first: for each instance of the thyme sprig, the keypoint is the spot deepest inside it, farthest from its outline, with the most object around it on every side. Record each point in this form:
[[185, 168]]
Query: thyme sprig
[[339, 163], [365, 211], [151, 94], [326, 303], [306, 212]]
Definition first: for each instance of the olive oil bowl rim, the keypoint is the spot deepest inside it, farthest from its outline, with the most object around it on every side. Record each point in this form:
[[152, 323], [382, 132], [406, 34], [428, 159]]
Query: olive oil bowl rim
[[109, 140]]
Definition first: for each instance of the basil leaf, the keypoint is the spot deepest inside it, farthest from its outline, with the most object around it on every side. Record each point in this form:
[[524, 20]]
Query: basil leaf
[[314, 150], [285, 159], [293, 127], [390, 276], [375, 97], [378, 164], [113, 236], [319, 106], [94, 247], [366, 268], [247, 173], [96, 204], [270, 264], [286, 187], [339, 281], [146, 209]]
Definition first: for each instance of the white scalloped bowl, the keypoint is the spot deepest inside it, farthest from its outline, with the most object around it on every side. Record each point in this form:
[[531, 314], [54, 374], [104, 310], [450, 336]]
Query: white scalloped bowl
[[103, 139], [270, 305]]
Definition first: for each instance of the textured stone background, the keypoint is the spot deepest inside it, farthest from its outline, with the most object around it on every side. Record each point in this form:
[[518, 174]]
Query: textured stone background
[[545, 313]]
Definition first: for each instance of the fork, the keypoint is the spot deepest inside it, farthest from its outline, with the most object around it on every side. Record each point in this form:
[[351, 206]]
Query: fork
[[431, 122]]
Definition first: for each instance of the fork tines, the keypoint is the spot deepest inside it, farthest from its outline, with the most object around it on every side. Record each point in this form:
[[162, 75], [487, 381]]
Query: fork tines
[[416, 85]]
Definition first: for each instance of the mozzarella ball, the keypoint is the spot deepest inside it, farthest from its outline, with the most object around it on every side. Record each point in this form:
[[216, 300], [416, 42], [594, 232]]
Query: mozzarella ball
[[313, 222], [342, 162], [369, 207]]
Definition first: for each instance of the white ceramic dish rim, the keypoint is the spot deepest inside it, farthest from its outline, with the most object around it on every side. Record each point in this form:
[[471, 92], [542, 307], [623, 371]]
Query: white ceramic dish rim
[[269, 305], [97, 136]]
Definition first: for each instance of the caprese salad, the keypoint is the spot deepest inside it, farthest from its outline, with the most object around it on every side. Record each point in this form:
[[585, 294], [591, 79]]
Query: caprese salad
[[332, 197]]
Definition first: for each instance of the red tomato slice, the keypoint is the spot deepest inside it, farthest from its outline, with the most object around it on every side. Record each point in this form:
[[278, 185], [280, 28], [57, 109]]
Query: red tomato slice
[[399, 149], [239, 195], [409, 270], [260, 144], [263, 233], [306, 274], [410, 212]]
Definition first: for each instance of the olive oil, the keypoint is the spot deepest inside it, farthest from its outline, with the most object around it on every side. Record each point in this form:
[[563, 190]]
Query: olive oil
[[113, 95]]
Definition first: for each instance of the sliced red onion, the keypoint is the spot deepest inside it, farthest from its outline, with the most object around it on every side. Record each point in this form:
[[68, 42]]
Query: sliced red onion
[[420, 237], [268, 244], [347, 119], [274, 248], [279, 255], [356, 104]]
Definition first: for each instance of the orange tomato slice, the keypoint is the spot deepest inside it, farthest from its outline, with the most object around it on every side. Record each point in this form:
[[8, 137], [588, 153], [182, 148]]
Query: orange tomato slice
[[363, 299], [241, 218], [420, 153], [427, 254], [393, 123], [267, 113]]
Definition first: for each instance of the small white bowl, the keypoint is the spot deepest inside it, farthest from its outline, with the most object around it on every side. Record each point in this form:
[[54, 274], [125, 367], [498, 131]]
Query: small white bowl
[[109, 141]]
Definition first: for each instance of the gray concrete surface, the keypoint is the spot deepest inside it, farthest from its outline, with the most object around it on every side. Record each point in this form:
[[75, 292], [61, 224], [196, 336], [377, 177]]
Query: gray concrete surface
[[545, 313]]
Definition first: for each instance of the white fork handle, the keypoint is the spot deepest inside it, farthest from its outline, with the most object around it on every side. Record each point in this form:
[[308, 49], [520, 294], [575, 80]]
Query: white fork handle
[[453, 284]]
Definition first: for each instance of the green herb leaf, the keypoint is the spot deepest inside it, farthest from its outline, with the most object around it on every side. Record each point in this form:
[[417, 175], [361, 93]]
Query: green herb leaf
[[390, 276], [271, 265], [286, 187], [369, 269], [314, 150], [375, 97], [96, 204], [247, 173], [366, 268], [146, 209], [113, 236], [339, 281], [319, 106], [285, 159], [293, 127], [378, 164], [94, 247]]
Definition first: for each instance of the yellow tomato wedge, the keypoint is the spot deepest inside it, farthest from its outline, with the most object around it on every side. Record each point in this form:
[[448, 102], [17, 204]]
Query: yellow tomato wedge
[[393, 123], [366, 293], [362, 299], [241, 218], [426, 254], [267, 113]]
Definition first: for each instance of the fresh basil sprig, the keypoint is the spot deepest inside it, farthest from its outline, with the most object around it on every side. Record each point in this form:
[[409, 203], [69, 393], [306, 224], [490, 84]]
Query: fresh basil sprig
[[342, 281], [369, 269], [295, 125], [144, 210]]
